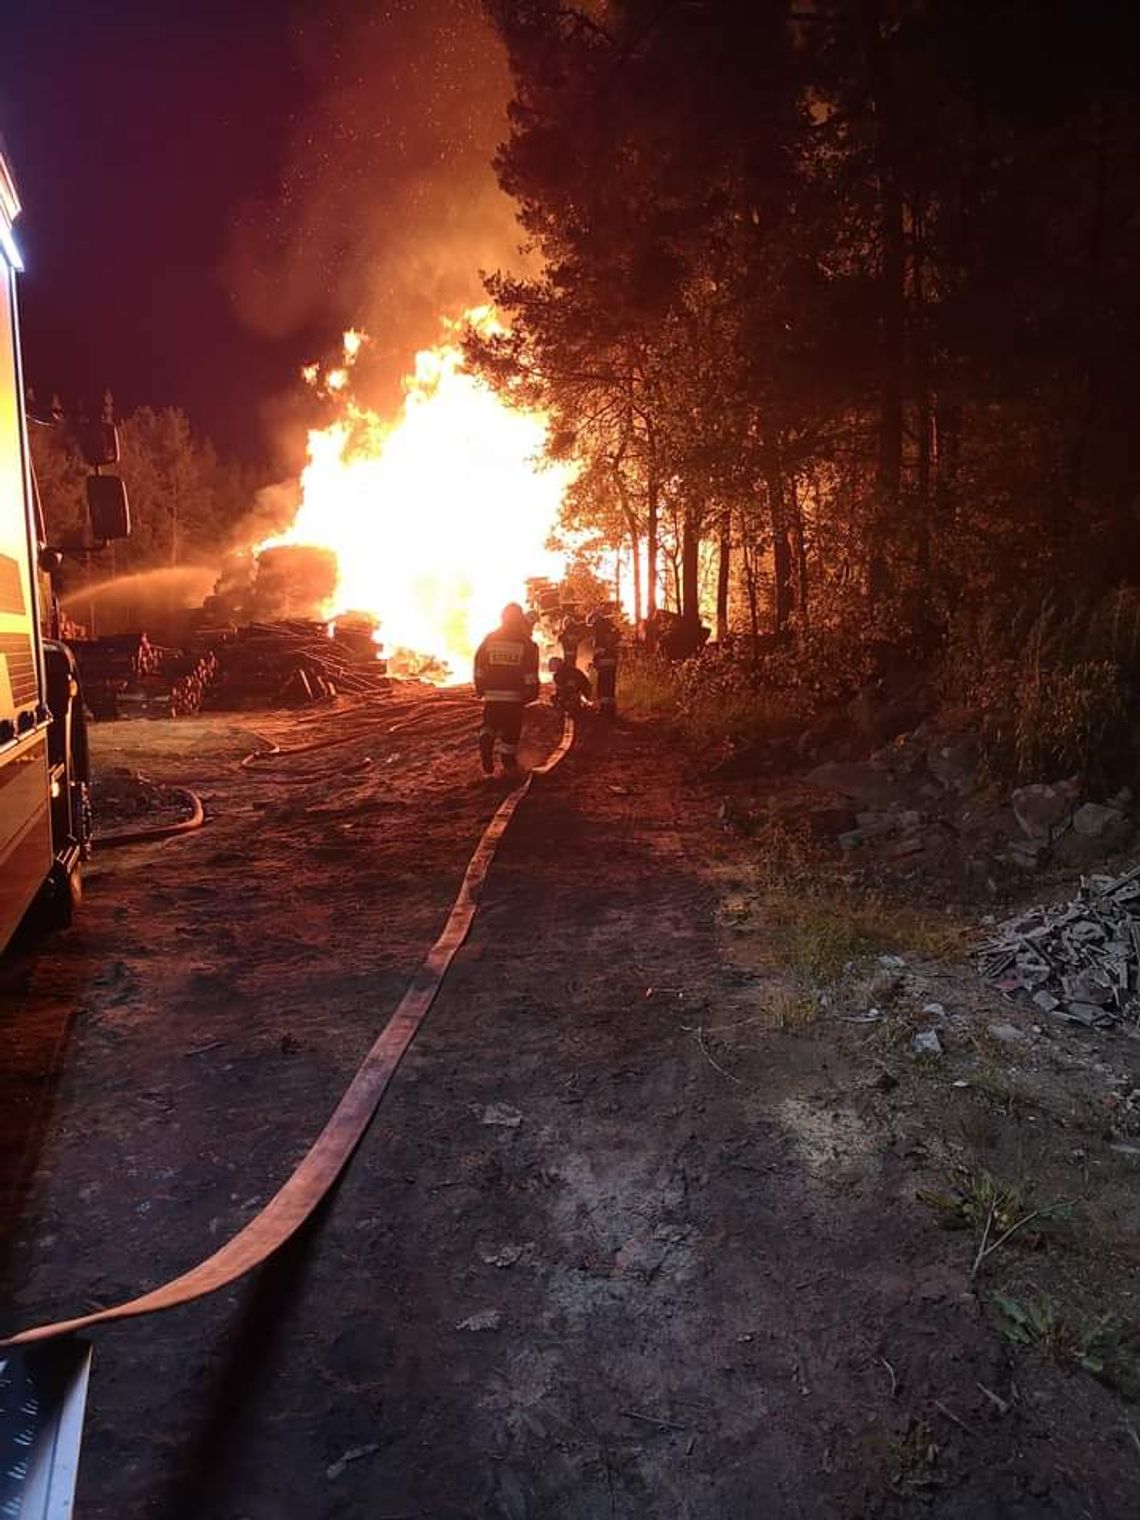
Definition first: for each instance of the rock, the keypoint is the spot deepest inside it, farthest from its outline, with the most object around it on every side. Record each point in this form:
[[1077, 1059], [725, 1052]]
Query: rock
[[1043, 811], [502, 1114], [1046, 1001], [926, 1043], [867, 784], [500, 1256], [333, 1472], [1089, 986], [485, 1319], [1083, 1013], [914, 844], [1025, 855], [954, 763], [1094, 820], [1006, 1034]]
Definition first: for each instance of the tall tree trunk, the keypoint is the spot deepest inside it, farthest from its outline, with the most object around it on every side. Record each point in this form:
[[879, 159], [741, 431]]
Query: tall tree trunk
[[723, 572], [690, 569], [923, 505], [635, 550], [892, 314], [652, 549], [1082, 407], [748, 559], [631, 523], [800, 546], [947, 454], [781, 548]]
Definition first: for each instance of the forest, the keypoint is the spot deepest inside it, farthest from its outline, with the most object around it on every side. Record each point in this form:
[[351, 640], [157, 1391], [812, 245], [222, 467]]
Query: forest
[[837, 315], [186, 501]]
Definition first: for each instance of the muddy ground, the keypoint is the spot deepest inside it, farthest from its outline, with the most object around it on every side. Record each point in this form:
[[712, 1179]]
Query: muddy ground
[[637, 1231]]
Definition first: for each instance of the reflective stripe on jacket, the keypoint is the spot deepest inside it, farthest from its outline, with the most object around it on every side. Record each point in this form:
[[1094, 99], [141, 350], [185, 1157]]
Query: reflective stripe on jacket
[[506, 668]]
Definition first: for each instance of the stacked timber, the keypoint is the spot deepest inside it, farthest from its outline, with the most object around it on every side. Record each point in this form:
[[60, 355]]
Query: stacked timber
[[290, 663], [129, 677], [109, 668]]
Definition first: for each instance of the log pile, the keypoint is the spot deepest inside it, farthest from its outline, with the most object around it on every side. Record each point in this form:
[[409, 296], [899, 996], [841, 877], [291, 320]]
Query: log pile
[[110, 668], [128, 676], [287, 663], [290, 663]]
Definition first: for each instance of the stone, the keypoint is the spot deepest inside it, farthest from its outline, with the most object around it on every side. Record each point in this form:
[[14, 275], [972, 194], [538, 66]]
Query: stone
[[485, 1319], [1025, 856], [871, 786], [954, 763], [500, 1256], [1084, 1013], [1043, 811], [502, 1114], [926, 1043], [1093, 820], [913, 844], [1046, 1001], [1006, 1034]]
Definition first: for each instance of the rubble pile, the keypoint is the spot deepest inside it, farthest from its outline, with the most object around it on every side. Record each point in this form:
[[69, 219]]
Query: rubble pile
[[1080, 961], [291, 662]]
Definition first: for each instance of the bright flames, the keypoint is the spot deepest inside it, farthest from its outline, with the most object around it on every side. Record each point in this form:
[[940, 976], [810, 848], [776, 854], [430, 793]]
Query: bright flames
[[438, 518]]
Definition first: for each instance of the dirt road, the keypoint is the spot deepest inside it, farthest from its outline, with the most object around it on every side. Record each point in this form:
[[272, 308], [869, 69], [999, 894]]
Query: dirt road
[[584, 1265]]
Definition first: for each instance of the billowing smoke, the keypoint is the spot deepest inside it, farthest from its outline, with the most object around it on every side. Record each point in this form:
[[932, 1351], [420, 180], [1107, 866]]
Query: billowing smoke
[[387, 207]]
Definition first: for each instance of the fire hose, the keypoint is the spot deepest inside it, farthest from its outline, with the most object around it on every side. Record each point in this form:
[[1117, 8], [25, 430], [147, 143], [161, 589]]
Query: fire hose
[[300, 1194], [162, 830]]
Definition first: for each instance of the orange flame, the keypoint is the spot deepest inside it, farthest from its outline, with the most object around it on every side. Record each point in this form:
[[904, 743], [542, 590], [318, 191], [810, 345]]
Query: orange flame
[[437, 518]]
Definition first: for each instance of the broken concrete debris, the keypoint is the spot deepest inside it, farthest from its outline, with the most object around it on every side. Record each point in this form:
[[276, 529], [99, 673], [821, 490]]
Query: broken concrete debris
[[1079, 961]]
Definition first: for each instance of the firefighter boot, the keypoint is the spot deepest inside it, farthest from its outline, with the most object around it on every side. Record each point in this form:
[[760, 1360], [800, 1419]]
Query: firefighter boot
[[487, 752]]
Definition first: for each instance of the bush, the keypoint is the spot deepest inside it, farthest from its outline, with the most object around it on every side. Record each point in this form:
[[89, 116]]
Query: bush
[[1051, 690]]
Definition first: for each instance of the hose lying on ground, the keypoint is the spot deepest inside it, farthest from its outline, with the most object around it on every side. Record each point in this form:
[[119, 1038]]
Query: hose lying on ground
[[159, 831], [303, 1190]]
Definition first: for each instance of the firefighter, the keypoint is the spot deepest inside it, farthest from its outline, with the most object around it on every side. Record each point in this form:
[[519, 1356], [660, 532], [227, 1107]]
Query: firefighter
[[571, 687], [506, 677], [605, 662], [570, 635]]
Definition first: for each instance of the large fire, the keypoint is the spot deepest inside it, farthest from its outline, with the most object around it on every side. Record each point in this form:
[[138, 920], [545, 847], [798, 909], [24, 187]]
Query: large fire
[[437, 518]]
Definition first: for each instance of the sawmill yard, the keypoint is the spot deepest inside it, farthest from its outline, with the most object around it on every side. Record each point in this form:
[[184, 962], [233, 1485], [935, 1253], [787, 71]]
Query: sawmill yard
[[674, 1207]]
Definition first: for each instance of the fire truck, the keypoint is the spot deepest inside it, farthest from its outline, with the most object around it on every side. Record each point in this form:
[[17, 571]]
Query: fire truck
[[45, 822]]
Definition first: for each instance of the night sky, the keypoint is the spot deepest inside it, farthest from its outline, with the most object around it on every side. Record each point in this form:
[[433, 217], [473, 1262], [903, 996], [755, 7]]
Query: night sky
[[212, 192]]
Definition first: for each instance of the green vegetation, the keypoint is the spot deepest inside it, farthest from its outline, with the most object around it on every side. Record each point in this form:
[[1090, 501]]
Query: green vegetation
[[1098, 1344]]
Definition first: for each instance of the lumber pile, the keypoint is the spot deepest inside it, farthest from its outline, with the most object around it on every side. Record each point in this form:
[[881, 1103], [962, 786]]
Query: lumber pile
[[128, 676], [290, 663], [111, 667]]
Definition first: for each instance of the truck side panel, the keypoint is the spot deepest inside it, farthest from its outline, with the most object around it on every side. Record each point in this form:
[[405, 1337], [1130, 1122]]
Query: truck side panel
[[25, 817], [25, 830]]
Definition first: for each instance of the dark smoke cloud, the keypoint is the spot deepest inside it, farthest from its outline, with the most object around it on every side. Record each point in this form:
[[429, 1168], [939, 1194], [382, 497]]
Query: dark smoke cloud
[[386, 207]]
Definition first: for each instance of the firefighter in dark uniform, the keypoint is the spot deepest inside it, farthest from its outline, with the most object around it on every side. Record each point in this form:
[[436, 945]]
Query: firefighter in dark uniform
[[506, 677], [571, 634], [571, 687], [605, 662]]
